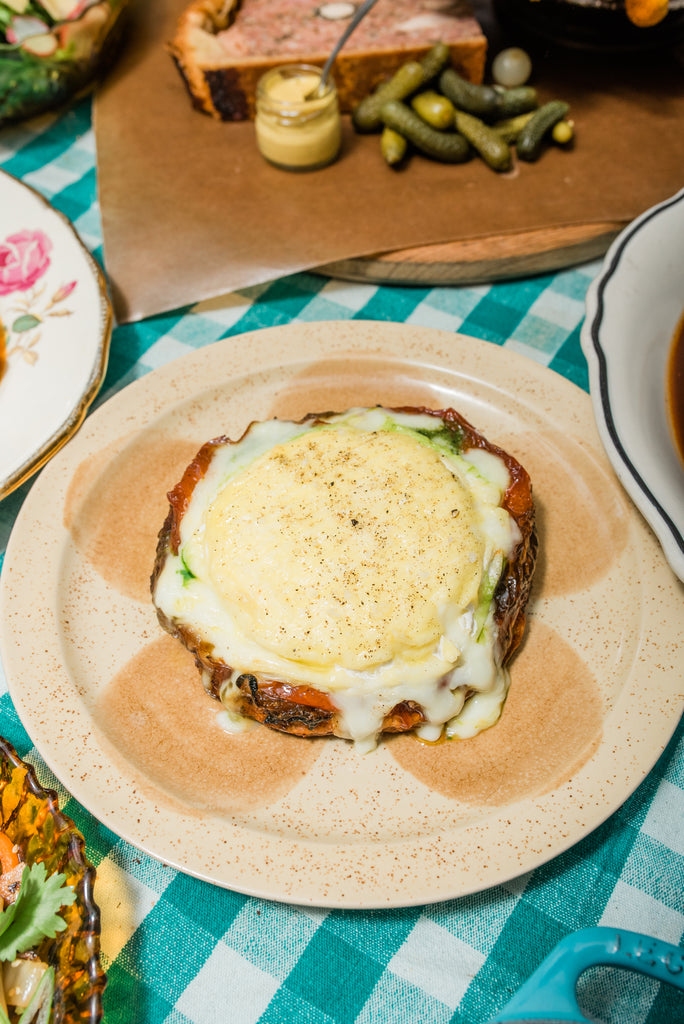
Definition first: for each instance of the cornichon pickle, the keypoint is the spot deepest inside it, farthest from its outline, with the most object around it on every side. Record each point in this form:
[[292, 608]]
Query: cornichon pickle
[[408, 79], [518, 100], [393, 146], [404, 82], [480, 100], [449, 147], [531, 138], [563, 132], [435, 109], [510, 127], [434, 61], [491, 147]]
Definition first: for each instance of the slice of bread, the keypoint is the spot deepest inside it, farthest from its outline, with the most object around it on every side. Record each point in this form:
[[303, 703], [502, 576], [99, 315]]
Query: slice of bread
[[223, 47]]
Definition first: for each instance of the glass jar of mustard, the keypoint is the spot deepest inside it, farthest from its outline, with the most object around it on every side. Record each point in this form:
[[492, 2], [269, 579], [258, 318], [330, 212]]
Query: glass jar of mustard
[[295, 131]]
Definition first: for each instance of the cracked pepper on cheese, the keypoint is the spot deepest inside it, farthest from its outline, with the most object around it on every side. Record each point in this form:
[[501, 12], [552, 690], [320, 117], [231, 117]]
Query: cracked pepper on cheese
[[353, 555]]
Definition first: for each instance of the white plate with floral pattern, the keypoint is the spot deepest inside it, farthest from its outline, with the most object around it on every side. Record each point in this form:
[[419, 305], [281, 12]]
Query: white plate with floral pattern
[[55, 328]]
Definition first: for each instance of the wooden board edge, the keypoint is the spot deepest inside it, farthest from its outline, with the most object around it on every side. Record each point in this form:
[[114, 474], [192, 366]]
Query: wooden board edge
[[475, 261]]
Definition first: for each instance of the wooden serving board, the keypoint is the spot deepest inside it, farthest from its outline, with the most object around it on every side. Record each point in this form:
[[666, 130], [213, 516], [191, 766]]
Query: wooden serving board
[[427, 224], [479, 260]]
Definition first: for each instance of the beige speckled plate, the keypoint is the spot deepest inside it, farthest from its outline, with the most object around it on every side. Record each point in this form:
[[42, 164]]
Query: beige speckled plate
[[117, 710]]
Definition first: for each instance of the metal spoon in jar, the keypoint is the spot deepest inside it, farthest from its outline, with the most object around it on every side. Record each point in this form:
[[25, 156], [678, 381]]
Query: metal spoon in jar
[[359, 15]]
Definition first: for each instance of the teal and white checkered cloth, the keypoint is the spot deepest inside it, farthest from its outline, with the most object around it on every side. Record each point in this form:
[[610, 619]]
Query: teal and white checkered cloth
[[180, 951]]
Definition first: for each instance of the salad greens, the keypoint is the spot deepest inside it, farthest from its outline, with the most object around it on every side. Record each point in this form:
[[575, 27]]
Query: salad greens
[[33, 916], [53, 924], [49, 49]]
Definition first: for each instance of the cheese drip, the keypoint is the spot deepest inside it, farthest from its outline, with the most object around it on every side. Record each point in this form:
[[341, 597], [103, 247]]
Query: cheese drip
[[341, 548]]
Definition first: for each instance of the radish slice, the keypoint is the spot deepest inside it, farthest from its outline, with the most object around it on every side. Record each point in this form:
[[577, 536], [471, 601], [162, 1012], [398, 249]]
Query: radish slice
[[43, 45], [21, 28]]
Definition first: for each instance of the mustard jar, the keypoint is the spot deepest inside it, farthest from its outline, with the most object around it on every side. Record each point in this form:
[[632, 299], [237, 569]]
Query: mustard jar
[[294, 130]]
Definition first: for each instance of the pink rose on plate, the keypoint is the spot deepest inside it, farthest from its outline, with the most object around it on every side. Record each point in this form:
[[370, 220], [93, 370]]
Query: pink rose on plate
[[24, 257]]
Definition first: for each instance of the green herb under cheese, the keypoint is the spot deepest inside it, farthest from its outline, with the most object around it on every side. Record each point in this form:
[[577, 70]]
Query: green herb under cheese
[[185, 571]]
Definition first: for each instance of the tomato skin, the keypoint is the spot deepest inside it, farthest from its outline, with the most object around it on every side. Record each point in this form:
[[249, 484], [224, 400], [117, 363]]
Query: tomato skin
[[8, 855], [306, 695]]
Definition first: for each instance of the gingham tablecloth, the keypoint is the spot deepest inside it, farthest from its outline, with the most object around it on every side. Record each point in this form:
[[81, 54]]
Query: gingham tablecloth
[[181, 951]]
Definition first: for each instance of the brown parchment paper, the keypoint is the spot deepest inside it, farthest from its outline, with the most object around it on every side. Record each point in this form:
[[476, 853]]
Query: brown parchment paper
[[190, 210]]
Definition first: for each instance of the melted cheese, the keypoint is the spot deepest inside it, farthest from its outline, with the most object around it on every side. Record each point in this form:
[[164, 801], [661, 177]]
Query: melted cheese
[[359, 557], [299, 544]]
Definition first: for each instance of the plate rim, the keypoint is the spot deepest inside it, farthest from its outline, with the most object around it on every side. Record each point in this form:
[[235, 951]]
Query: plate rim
[[669, 535], [74, 420], [635, 771]]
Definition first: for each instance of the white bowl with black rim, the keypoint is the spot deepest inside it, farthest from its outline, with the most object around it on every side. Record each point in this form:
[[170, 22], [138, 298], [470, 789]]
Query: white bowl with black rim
[[633, 309]]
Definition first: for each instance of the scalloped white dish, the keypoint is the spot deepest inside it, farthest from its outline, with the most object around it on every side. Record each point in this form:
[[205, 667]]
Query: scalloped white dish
[[632, 311], [55, 328]]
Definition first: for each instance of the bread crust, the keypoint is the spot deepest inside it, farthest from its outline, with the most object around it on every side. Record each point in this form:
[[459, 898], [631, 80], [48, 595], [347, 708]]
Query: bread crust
[[225, 87], [303, 710]]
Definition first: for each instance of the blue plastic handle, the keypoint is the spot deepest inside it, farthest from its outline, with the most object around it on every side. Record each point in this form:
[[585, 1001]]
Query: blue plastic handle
[[550, 993]]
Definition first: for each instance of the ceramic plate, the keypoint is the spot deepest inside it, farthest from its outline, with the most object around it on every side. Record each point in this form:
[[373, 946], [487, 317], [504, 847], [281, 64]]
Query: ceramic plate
[[633, 308], [55, 326], [116, 707]]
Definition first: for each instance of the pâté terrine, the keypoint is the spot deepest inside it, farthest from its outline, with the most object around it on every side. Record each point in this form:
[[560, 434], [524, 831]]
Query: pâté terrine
[[223, 47]]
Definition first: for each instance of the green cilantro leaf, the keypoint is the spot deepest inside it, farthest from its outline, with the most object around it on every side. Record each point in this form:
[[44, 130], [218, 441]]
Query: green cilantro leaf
[[7, 916], [33, 916], [185, 572]]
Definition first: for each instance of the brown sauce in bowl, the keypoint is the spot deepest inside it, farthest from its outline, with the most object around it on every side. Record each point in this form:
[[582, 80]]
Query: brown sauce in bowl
[[674, 393]]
